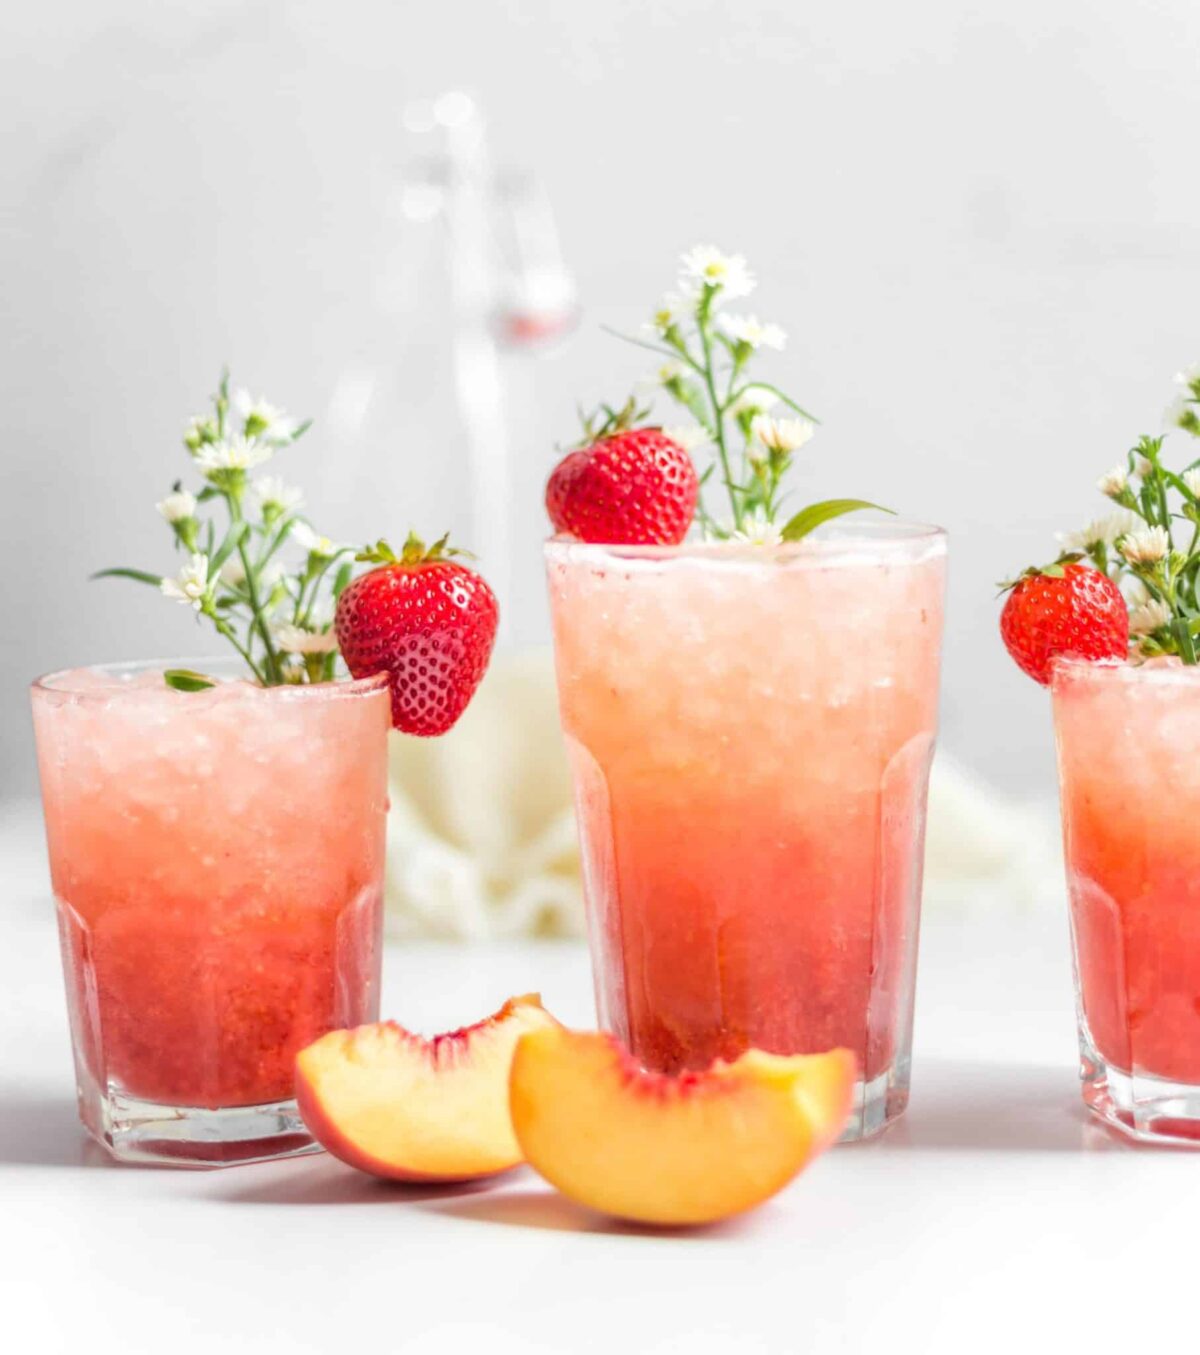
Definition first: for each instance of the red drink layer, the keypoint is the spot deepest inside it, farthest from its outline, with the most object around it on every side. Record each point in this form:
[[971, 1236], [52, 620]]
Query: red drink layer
[[217, 858], [1129, 769], [750, 733]]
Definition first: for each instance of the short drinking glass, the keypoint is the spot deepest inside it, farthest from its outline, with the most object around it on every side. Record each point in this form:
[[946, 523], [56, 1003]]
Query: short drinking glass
[[1129, 774], [217, 861]]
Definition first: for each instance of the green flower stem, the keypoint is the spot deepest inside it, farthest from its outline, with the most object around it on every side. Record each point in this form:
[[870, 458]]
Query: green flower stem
[[718, 412], [225, 629], [273, 668]]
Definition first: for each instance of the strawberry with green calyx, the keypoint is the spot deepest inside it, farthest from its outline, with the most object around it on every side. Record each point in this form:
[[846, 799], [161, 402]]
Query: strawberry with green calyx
[[625, 484], [1064, 610], [427, 621], [708, 352]]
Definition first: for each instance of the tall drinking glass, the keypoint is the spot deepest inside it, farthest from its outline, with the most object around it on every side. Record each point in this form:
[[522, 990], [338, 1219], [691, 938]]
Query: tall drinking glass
[[217, 861], [1129, 774], [750, 731]]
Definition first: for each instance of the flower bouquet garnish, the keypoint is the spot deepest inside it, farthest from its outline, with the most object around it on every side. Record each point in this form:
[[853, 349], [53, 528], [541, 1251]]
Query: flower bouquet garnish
[[632, 481], [285, 596], [1125, 585]]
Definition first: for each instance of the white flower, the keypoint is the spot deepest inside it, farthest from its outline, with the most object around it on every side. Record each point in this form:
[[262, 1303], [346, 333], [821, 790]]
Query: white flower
[[688, 436], [705, 266], [177, 506], [672, 312], [304, 536], [1191, 480], [262, 420], [233, 572], [1114, 482], [750, 330], [1150, 616], [1181, 412], [1142, 465], [758, 530], [191, 583], [201, 428], [668, 372], [1105, 531], [1146, 546], [1176, 413], [782, 435], [233, 454], [297, 640], [1189, 377], [754, 400], [271, 492]]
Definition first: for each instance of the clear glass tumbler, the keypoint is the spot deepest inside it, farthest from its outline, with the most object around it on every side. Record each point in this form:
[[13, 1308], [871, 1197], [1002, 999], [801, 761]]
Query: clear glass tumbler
[[217, 861], [1129, 774], [750, 732]]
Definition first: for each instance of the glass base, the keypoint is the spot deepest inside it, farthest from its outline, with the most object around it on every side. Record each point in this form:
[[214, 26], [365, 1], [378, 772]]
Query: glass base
[[148, 1133], [877, 1104], [1143, 1108]]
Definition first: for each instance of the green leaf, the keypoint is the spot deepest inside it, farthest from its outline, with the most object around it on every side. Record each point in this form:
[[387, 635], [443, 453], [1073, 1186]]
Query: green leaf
[[233, 538], [810, 518], [185, 680], [139, 575]]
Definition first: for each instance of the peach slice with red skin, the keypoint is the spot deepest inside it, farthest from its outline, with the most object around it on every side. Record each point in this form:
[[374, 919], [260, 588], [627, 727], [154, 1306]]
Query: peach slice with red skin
[[672, 1150], [407, 1108]]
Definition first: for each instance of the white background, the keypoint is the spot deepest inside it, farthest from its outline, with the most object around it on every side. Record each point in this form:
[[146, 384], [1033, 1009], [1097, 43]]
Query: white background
[[980, 223]]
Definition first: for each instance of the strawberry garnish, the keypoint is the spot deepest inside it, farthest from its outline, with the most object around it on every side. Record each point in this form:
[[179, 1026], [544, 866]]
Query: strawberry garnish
[[1067, 609], [427, 621], [624, 485]]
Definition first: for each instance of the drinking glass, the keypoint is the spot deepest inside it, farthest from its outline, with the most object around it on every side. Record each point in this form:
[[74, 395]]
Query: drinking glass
[[217, 862], [750, 731]]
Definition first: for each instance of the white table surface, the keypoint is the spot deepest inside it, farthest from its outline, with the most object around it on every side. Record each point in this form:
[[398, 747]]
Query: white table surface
[[993, 1217]]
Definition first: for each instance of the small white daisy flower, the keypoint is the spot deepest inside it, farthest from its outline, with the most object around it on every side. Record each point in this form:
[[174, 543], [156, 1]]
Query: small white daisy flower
[[191, 583], [672, 312], [1148, 617], [233, 454], [1146, 546], [1191, 480], [304, 536], [233, 572], [688, 436], [662, 376], [201, 428], [262, 420], [758, 530], [750, 330], [297, 640], [1114, 482], [271, 492], [1142, 466], [1105, 531], [754, 400], [1189, 377], [706, 266], [782, 435], [177, 506]]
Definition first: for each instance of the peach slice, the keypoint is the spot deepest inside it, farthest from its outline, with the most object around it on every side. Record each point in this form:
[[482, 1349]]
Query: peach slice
[[671, 1150], [407, 1108]]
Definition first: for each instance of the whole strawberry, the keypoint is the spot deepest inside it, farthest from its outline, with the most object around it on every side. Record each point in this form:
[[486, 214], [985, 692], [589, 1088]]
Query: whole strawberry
[[1065, 609], [624, 486], [428, 622]]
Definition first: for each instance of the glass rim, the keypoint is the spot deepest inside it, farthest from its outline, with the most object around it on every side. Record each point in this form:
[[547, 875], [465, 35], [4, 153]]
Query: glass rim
[[1073, 667], [875, 537], [224, 667]]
